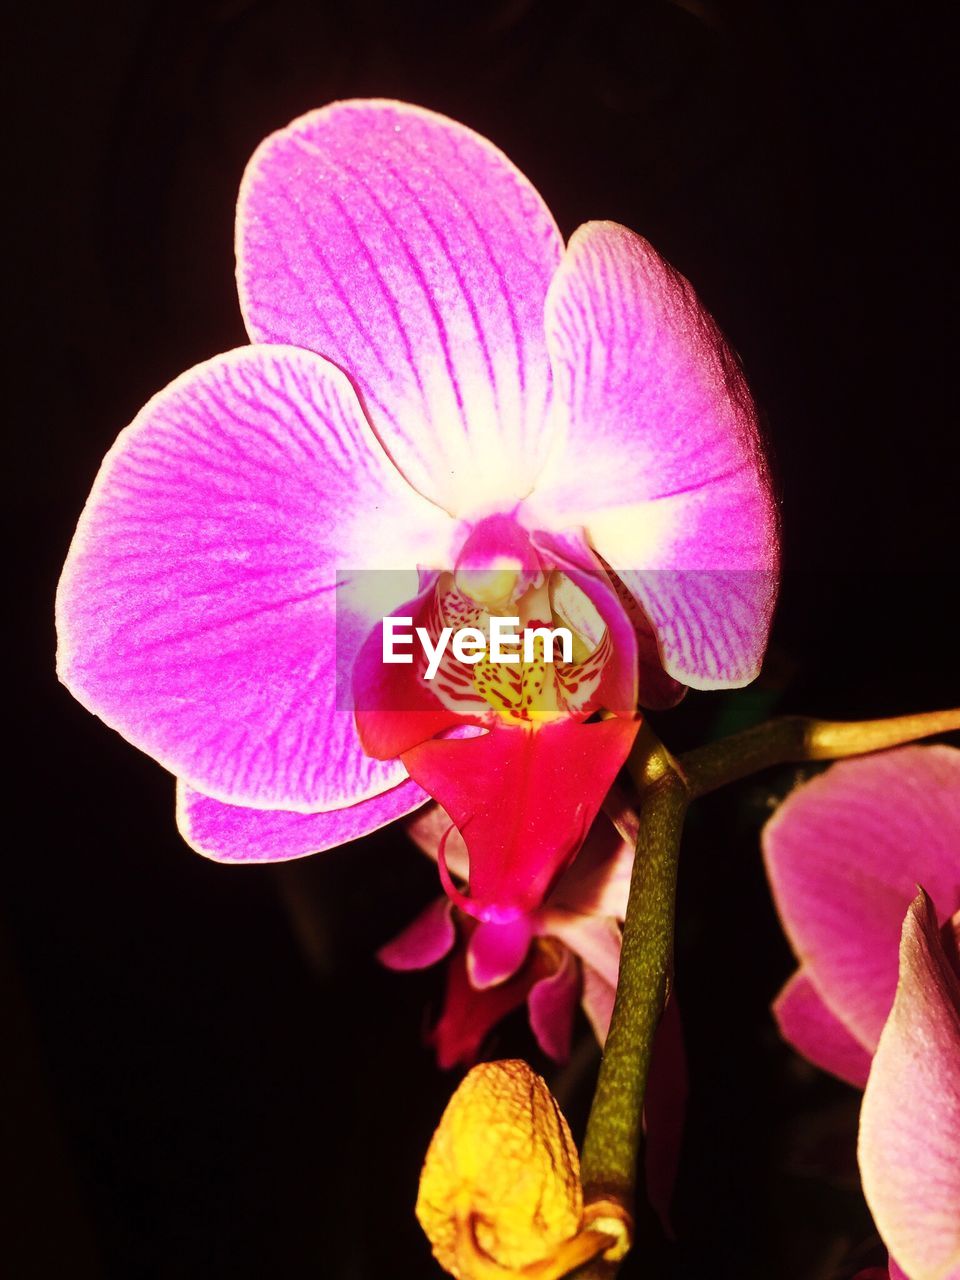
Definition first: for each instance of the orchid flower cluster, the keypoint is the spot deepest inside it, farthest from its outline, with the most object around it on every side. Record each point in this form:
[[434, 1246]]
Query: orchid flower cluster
[[448, 415]]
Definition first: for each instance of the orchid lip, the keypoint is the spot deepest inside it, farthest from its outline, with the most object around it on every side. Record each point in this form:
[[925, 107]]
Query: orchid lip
[[486, 913]]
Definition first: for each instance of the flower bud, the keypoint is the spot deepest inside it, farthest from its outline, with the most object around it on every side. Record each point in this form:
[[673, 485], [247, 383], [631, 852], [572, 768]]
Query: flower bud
[[500, 1189]]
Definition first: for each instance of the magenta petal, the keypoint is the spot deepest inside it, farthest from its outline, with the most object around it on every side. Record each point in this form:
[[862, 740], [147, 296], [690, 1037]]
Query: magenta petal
[[664, 1111], [844, 853], [424, 941], [662, 463], [552, 1003], [196, 608], [496, 951], [806, 1022], [910, 1118], [232, 833], [523, 800], [409, 251]]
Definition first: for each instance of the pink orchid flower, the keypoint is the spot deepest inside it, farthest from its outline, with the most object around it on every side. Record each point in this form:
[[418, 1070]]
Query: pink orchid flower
[[444, 413], [876, 1000]]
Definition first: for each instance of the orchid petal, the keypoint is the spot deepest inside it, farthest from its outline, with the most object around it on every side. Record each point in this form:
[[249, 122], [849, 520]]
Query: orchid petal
[[196, 608], [234, 833], [429, 827], [661, 461], [411, 252], [597, 882], [598, 998], [523, 800], [843, 854], [910, 1118], [552, 1003], [806, 1022], [496, 951], [657, 691], [424, 941], [595, 939], [468, 1014]]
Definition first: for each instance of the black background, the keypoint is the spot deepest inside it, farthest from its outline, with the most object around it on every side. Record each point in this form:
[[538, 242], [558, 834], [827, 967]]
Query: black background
[[211, 1075]]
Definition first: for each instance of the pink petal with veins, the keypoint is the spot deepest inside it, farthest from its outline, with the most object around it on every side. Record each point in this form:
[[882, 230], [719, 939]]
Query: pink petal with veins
[[409, 251], [806, 1022], [233, 833], [196, 608], [844, 853], [661, 462], [424, 941], [910, 1118], [523, 800]]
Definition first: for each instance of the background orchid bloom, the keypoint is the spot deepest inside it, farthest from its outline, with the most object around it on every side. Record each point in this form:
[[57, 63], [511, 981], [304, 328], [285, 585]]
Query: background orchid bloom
[[910, 1118], [442, 401], [844, 854]]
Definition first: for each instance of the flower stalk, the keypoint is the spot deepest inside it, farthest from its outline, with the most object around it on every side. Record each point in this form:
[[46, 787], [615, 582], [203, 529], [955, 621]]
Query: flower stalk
[[608, 1161], [794, 739]]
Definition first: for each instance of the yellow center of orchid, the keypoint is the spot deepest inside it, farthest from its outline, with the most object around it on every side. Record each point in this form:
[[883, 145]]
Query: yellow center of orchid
[[541, 683]]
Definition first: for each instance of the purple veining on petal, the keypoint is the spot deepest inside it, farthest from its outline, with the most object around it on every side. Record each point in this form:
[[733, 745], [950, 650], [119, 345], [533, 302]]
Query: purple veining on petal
[[661, 462], [196, 609], [447, 253], [233, 833]]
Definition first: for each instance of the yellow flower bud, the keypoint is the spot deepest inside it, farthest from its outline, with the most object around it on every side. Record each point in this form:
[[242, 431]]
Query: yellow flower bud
[[500, 1189]]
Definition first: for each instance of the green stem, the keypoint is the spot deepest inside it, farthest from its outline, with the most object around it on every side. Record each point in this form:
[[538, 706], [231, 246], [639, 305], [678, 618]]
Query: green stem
[[608, 1160], [792, 739]]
